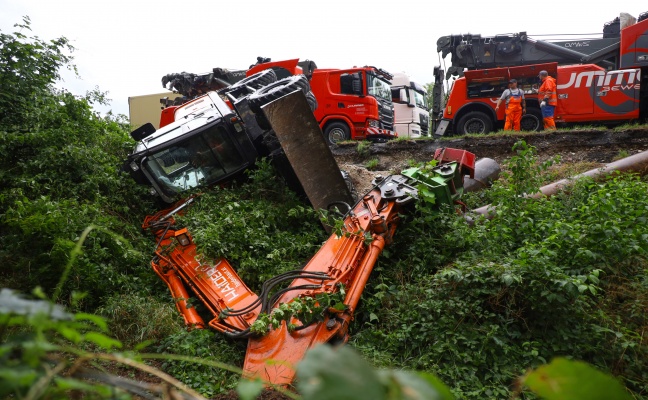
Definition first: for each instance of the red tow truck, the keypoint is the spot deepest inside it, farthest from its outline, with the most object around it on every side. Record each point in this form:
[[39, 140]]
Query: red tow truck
[[606, 80]]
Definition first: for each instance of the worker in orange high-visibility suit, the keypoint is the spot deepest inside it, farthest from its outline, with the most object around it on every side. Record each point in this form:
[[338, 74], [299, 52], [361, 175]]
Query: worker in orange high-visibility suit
[[515, 106], [548, 99]]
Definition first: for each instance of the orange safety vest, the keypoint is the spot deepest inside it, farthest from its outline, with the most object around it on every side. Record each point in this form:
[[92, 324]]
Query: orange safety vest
[[548, 90]]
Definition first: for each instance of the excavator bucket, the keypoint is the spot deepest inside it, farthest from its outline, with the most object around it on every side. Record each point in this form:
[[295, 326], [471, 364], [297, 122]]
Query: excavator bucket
[[303, 143]]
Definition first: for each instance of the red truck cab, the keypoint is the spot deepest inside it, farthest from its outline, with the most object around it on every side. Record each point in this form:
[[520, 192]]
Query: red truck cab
[[353, 103]]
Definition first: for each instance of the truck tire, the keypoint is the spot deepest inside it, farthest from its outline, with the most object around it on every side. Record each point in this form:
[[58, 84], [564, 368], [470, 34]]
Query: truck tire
[[474, 122], [532, 120], [312, 101], [263, 123], [336, 132], [276, 90], [256, 81]]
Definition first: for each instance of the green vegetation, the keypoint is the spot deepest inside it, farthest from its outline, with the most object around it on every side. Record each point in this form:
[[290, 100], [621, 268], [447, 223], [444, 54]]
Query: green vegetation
[[622, 154], [59, 173], [363, 148], [478, 307], [372, 164]]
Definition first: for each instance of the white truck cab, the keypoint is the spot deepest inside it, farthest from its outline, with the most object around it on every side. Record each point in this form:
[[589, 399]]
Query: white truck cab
[[411, 111]]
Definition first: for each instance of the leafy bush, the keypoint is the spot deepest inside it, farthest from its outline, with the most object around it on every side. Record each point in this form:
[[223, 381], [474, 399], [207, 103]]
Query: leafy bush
[[478, 306], [43, 343], [59, 173], [261, 226], [205, 345], [135, 318]]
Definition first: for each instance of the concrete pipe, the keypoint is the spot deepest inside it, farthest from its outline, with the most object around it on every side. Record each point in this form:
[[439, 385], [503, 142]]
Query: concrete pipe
[[487, 170], [637, 163]]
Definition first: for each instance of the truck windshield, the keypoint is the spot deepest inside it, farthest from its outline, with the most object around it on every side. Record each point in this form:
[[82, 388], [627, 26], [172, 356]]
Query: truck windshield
[[378, 87], [420, 99], [204, 159]]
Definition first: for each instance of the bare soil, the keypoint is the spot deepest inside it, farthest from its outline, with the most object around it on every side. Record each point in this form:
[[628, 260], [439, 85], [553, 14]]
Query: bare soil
[[594, 146]]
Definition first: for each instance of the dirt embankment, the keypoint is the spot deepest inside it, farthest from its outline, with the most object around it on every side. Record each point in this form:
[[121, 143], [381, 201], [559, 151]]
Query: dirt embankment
[[598, 146]]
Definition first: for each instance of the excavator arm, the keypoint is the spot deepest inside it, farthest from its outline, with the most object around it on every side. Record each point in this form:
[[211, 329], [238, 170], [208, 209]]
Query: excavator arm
[[342, 266]]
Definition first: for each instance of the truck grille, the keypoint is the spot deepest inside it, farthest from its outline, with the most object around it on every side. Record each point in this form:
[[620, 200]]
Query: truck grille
[[424, 120], [386, 114]]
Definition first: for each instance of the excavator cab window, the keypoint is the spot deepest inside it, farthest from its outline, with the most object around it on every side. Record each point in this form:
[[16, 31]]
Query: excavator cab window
[[204, 159]]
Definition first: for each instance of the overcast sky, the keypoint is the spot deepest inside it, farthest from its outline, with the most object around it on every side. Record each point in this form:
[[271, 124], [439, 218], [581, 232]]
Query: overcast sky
[[125, 47]]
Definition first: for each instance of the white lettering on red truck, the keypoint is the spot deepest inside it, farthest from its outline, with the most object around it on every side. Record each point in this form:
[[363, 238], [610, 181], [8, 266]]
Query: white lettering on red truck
[[624, 79]]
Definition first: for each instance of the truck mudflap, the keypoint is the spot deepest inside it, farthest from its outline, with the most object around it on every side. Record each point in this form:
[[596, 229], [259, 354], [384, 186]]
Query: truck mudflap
[[380, 134], [303, 143], [441, 129]]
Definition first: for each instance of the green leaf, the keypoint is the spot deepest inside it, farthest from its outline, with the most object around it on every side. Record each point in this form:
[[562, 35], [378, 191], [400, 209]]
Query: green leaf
[[405, 385], [339, 374], [102, 340], [248, 389], [568, 379], [97, 320], [70, 334], [442, 390]]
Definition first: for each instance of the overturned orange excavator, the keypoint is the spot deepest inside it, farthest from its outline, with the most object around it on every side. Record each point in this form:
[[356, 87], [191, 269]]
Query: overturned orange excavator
[[212, 139]]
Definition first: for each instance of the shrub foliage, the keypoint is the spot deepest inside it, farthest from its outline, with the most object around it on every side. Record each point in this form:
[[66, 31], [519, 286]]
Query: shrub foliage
[[59, 173], [561, 276], [477, 305]]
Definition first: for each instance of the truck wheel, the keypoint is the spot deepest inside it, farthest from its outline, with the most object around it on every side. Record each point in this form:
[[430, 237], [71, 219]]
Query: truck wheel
[[256, 81], [532, 120], [336, 132], [276, 90], [474, 122]]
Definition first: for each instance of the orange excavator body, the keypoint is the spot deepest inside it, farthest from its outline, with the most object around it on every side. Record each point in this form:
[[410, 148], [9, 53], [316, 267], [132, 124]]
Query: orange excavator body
[[342, 265]]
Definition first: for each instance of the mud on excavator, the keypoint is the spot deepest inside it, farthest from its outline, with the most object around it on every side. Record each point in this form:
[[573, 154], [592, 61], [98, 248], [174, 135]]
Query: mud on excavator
[[215, 137]]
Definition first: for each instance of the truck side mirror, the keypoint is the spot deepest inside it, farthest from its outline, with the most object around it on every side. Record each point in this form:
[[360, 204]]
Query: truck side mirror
[[395, 94], [356, 84], [404, 98], [143, 131]]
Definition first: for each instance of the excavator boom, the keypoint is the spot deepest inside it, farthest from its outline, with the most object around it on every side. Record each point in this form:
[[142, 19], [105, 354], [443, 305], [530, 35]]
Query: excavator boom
[[207, 141]]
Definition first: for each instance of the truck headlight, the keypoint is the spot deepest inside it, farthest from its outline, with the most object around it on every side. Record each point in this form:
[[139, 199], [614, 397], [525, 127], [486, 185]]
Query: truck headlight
[[373, 123]]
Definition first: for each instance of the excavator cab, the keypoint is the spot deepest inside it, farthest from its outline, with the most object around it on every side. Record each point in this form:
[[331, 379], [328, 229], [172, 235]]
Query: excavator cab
[[205, 145], [207, 142]]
